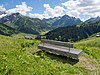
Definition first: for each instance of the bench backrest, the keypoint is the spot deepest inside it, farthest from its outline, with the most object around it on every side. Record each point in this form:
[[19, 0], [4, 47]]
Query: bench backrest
[[59, 43]]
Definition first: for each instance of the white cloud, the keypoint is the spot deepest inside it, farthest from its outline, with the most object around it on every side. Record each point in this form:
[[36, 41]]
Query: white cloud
[[22, 9], [82, 9], [2, 8], [71, 4], [46, 6], [77, 8], [57, 11], [2, 15], [40, 16], [50, 12]]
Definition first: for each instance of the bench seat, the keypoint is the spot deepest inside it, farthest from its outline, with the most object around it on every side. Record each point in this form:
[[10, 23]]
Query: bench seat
[[60, 50]]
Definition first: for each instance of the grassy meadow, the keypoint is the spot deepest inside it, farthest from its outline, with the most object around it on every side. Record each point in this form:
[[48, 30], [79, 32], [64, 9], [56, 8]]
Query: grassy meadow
[[22, 57]]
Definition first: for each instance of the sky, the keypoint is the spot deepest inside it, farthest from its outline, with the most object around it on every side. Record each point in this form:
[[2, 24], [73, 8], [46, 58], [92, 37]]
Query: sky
[[83, 9]]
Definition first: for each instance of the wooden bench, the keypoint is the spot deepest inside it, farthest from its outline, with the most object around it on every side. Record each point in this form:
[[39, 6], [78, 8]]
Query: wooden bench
[[60, 48]]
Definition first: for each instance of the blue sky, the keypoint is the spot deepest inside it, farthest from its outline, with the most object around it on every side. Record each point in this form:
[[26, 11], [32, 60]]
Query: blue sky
[[36, 4], [82, 9]]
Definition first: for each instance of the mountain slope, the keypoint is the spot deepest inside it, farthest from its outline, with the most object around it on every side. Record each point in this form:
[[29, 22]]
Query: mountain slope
[[25, 24], [6, 30], [66, 21], [93, 19], [63, 21], [74, 33], [93, 43], [51, 20], [33, 26]]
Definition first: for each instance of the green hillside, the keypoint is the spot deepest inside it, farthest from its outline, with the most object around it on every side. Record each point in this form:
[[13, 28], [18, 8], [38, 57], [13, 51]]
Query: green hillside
[[6, 30], [31, 25], [74, 33], [21, 57], [91, 47]]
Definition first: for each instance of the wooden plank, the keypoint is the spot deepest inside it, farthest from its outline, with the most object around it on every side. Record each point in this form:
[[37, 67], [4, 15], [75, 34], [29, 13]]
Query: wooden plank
[[64, 51], [59, 43]]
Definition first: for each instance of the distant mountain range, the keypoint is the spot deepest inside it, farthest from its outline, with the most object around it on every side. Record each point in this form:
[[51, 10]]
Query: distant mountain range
[[51, 20], [63, 21], [25, 24], [93, 19], [34, 25], [69, 28]]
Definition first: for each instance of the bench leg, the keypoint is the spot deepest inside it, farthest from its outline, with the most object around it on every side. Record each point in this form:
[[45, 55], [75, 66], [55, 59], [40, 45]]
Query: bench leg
[[69, 49]]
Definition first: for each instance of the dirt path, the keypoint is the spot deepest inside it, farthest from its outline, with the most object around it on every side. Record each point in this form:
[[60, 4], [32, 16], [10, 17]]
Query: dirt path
[[87, 64]]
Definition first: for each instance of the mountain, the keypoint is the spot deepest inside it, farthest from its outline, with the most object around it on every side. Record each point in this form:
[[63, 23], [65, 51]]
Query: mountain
[[74, 33], [63, 21], [10, 18], [51, 20], [25, 24], [6, 30], [67, 21], [93, 19]]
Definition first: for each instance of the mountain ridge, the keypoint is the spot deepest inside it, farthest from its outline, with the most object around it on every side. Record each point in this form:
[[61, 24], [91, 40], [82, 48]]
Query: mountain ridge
[[63, 21], [25, 24], [93, 19], [67, 21]]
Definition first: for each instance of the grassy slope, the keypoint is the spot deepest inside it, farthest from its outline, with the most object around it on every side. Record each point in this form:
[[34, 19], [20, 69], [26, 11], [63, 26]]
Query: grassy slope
[[22, 35], [91, 49], [17, 58]]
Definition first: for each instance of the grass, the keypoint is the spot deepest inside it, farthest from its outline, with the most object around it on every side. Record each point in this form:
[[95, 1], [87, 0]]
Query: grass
[[22, 35], [44, 32], [15, 55], [22, 57], [91, 47]]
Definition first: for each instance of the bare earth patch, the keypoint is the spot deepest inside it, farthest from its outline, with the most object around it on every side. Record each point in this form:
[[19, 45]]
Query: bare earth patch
[[87, 64]]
